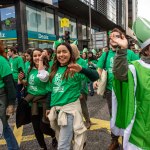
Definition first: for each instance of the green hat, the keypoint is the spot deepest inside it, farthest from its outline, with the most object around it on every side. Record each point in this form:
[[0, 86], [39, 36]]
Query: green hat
[[94, 52], [75, 42], [6, 50], [141, 28], [57, 43], [85, 50]]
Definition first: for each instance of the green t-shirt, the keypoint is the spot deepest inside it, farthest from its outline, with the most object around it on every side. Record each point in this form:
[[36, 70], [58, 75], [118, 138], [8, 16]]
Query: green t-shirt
[[93, 65], [4, 70], [35, 85], [65, 91], [16, 63], [27, 65], [84, 85], [131, 56]]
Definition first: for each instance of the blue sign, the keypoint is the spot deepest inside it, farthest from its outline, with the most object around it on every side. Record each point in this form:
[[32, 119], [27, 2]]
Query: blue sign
[[41, 36], [8, 34]]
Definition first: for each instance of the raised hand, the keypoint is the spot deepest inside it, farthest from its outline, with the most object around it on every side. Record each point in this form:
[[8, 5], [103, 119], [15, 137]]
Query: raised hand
[[42, 56], [21, 76], [121, 41], [75, 67]]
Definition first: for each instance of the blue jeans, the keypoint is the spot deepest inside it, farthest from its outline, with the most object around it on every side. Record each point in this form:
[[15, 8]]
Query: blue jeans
[[19, 94], [7, 132], [66, 134], [10, 138]]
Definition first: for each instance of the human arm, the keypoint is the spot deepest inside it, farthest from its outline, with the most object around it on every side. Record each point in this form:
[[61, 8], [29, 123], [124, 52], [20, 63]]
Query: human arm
[[21, 78], [43, 75], [120, 66], [11, 93], [91, 74]]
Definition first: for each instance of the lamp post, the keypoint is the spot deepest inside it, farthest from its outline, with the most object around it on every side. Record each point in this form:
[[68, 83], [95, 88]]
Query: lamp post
[[90, 44]]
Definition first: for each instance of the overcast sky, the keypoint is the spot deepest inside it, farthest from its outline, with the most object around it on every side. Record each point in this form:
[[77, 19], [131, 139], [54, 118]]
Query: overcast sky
[[144, 9]]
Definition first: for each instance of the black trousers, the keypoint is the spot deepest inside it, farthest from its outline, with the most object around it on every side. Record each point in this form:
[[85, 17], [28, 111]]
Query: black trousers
[[41, 128]]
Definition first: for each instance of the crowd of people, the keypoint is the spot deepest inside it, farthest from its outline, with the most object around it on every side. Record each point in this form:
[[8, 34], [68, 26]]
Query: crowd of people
[[50, 89]]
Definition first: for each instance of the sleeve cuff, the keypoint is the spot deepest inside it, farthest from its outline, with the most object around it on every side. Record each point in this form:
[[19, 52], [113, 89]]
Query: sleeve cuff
[[43, 75], [122, 51]]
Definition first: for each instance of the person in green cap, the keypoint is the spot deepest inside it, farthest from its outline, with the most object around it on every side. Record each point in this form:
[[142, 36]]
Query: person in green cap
[[131, 96]]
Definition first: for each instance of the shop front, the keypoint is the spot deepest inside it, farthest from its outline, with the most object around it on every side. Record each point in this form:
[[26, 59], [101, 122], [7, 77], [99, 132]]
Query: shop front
[[8, 25]]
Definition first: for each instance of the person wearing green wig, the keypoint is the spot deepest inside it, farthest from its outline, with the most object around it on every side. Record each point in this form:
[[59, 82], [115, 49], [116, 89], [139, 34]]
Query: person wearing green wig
[[131, 91]]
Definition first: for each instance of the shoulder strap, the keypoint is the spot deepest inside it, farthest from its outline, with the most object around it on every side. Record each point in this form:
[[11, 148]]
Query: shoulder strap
[[105, 59]]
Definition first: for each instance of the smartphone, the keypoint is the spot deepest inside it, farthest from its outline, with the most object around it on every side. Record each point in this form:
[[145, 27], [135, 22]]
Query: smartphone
[[21, 70]]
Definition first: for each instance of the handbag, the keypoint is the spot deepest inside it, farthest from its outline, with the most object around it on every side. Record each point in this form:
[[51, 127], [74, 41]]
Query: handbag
[[103, 80]]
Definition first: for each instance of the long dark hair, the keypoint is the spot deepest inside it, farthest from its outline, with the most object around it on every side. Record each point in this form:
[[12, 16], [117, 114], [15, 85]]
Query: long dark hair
[[57, 64], [2, 51], [45, 61]]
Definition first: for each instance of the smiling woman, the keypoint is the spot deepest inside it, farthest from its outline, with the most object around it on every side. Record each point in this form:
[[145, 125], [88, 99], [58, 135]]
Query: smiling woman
[[65, 85], [63, 55]]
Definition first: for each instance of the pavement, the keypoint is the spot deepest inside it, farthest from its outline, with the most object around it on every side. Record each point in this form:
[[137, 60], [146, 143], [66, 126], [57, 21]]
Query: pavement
[[98, 137]]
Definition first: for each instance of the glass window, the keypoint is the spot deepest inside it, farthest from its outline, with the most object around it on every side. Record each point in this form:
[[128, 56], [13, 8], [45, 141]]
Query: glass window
[[31, 18], [10, 43], [8, 18], [40, 21], [73, 29], [40, 44], [60, 29], [111, 10], [84, 32], [50, 23]]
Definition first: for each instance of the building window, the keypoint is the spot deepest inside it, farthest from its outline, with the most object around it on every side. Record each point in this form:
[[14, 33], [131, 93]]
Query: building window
[[61, 32], [84, 33], [39, 20], [8, 18], [73, 29], [111, 10]]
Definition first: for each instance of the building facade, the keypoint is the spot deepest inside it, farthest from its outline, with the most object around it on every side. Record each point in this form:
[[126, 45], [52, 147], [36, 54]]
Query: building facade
[[37, 23]]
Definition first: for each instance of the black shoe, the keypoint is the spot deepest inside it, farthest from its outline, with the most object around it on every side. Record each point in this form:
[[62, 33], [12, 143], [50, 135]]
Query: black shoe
[[54, 142], [91, 94]]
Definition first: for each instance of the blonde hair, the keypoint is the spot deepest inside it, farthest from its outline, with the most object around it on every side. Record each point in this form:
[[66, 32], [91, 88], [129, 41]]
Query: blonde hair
[[75, 51]]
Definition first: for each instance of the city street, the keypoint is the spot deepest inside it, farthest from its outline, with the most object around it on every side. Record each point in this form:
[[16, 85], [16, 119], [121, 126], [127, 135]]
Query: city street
[[98, 137]]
